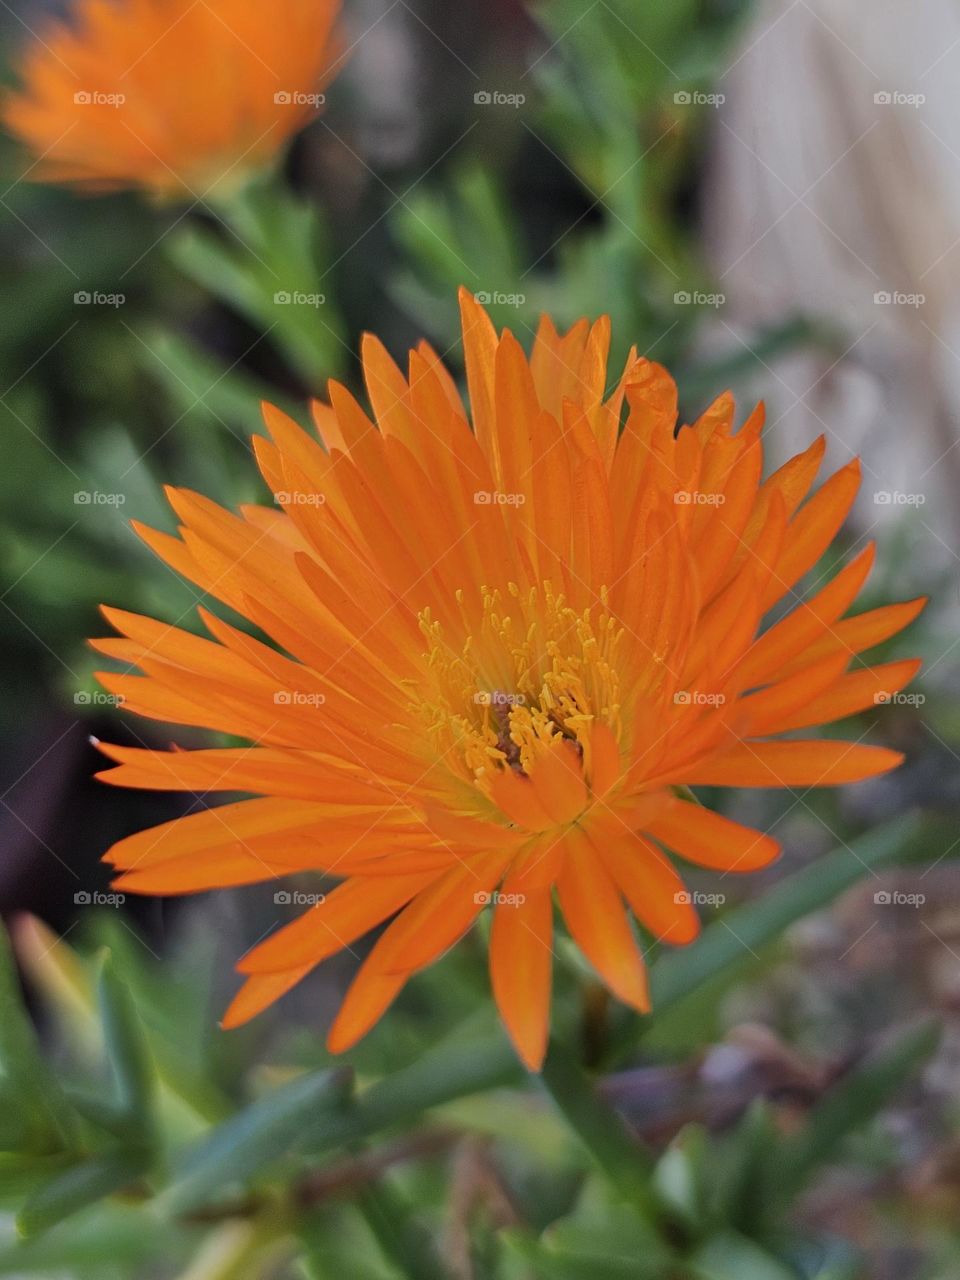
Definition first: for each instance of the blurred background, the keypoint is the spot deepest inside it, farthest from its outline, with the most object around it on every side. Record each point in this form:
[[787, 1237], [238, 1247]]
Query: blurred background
[[763, 196]]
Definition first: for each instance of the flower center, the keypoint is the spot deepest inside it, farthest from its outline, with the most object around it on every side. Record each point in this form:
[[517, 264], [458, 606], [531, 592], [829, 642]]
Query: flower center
[[525, 670]]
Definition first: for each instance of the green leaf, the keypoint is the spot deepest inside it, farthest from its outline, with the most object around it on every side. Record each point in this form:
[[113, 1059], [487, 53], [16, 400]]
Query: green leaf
[[401, 1237], [682, 1177], [110, 1235], [126, 1048], [241, 1147], [474, 1058], [729, 1256], [587, 1260], [851, 1103], [265, 266], [599, 1238], [742, 1171], [77, 1188], [337, 1241], [20, 1175], [30, 1097]]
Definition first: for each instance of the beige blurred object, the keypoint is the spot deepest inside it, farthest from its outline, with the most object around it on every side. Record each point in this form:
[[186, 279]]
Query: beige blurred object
[[834, 185]]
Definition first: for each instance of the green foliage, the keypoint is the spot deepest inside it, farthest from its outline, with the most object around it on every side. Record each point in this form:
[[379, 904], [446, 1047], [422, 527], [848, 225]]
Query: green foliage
[[292, 1163], [136, 1139]]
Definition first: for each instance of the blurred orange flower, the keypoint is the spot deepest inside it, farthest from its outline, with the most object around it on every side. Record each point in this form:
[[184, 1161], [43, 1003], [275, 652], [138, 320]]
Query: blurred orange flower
[[174, 96], [501, 652]]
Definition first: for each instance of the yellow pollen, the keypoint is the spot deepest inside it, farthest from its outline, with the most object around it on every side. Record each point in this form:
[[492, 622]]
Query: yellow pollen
[[520, 674]]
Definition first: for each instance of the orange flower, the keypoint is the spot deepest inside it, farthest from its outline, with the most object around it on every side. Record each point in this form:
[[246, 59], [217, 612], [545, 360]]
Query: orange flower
[[171, 95], [500, 653]]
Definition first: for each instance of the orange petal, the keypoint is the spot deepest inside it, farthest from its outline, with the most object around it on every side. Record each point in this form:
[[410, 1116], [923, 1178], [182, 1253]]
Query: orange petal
[[557, 780], [440, 915], [656, 894], [594, 913], [519, 801], [857, 691], [349, 911], [258, 993], [520, 972], [711, 840], [813, 763], [371, 993]]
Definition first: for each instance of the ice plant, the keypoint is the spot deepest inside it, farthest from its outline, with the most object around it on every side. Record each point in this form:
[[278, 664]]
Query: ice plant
[[505, 644], [173, 96]]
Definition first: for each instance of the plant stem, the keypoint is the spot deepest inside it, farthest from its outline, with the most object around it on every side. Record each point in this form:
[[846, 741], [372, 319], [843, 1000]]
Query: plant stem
[[626, 1163]]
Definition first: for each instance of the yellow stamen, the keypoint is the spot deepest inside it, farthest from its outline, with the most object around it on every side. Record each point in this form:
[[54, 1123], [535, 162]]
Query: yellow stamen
[[525, 676]]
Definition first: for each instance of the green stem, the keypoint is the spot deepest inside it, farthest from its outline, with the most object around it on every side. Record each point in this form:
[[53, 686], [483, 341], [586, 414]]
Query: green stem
[[625, 1162]]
